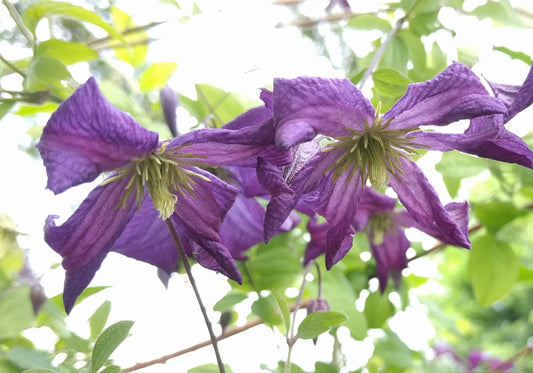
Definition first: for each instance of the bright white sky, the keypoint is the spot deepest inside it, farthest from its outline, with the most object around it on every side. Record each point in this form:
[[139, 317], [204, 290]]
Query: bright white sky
[[234, 45]]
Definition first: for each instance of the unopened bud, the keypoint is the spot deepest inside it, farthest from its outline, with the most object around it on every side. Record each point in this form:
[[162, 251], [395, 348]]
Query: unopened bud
[[317, 305], [169, 103]]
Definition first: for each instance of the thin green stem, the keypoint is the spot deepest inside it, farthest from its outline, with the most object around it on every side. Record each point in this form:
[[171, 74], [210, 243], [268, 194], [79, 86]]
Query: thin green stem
[[186, 265], [12, 67], [288, 362], [319, 280], [18, 20], [379, 52]]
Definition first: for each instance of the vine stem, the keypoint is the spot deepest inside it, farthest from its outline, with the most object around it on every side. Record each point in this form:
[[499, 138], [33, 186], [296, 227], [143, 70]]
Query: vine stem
[[187, 266], [291, 337], [18, 21], [231, 332]]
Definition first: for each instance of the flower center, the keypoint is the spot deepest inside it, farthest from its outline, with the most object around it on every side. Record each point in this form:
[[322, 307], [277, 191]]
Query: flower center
[[164, 176], [376, 151], [378, 226]]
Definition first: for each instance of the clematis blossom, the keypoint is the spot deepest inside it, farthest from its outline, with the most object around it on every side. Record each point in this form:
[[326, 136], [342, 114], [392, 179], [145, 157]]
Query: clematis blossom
[[385, 228], [150, 181], [366, 146]]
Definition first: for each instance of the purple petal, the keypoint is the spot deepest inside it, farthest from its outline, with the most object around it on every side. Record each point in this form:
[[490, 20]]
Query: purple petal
[[454, 94], [486, 137], [148, 239], [339, 211], [390, 256], [304, 107], [317, 244], [203, 211], [371, 203], [88, 235], [420, 199], [227, 147], [208, 253], [246, 177], [457, 210], [87, 135], [523, 98]]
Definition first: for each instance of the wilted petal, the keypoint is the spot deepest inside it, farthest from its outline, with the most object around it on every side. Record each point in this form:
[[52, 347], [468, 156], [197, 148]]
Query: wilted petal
[[421, 200], [315, 105], [390, 256], [88, 235], [87, 135], [456, 93]]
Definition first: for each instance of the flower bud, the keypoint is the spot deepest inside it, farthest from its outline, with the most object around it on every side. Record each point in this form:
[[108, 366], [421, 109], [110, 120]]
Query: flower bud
[[317, 305], [169, 103]]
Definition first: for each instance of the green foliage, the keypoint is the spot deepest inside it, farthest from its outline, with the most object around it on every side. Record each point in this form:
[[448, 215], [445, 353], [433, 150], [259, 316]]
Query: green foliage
[[108, 341], [317, 323], [156, 75], [493, 268], [378, 309]]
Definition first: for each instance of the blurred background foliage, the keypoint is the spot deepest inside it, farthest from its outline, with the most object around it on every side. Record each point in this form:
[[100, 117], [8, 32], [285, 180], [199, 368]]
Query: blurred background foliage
[[476, 300]]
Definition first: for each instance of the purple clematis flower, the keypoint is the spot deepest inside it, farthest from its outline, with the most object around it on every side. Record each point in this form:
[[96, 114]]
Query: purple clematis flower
[[151, 181], [367, 146], [384, 227]]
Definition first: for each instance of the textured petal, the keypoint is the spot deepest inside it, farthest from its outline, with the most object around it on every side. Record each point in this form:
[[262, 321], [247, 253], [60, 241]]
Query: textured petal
[[88, 235], [327, 106], [486, 137], [421, 200], [148, 239], [232, 147], [203, 211], [454, 94], [208, 253], [523, 98], [87, 135], [457, 210], [390, 256], [340, 211]]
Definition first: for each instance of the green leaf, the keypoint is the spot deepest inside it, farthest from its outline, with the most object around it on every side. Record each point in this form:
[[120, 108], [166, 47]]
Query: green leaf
[[525, 274], [317, 323], [274, 267], [26, 358], [108, 341], [378, 309], [500, 12], [39, 370], [417, 51], [514, 54], [321, 367], [135, 55], [341, 297], [396, 56], [228, 301], [492, 267], [494, 215], [394, 352], [267, 309], [58, 299], [208, 368], [369, 22], [65, 51], [111, 369], [5, 107], [156, 76], [390, 82], [98, 319], [455, 166], [284, 307], [67, 368], [45, 73], [16, 310], [35, 12], [30, 110]]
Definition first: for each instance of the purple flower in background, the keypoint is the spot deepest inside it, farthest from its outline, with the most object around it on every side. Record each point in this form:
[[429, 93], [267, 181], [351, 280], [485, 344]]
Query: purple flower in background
[[367, 146], [475, 361], [150, 181], [343, 4], [384, 227]]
